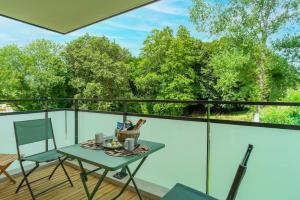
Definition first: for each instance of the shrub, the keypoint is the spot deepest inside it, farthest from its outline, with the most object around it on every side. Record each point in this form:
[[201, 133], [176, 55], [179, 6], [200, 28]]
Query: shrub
[[283, 114]]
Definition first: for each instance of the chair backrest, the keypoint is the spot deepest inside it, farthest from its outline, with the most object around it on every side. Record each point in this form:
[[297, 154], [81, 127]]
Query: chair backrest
[[239, 174], [32, 131]]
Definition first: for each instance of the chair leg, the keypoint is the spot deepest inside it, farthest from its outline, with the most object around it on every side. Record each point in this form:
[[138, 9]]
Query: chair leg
[[25, 175], [26, 180], [3, 170], [65, 171], [54, 170]]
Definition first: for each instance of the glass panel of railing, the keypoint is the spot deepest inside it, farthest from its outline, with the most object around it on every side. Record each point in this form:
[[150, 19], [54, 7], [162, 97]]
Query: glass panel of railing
[[7, 136], [90, 123], [184, 157], [63, 124], [69, 129], [273, 168]]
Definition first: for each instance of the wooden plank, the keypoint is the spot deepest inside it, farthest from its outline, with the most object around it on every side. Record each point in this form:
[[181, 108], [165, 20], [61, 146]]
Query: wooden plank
[[64, 192], [7, 158]]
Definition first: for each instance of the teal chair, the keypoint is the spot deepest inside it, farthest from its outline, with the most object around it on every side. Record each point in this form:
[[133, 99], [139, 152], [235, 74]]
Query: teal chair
[[32, 131], [182, 192]]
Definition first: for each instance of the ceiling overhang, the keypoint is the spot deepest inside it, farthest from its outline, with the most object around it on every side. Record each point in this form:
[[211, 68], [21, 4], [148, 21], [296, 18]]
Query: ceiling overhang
[[65, 16]]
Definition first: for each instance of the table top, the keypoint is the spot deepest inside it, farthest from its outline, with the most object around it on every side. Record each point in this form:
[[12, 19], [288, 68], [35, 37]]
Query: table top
[[100, 159]]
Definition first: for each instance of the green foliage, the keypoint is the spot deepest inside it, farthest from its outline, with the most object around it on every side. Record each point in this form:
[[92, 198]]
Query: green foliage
[[13, 70], [47, 69], [35, 71], [170, 67], [244, 17], [281, 76], [289, 47], [250, 26], [236, 75], [281, 114], [97, 68]]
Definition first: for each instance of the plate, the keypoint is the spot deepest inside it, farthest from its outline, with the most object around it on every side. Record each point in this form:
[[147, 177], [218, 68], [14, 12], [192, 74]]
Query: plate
[[108, 144]]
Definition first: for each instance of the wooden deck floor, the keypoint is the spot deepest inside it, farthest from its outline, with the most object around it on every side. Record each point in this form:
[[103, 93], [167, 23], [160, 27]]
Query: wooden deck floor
[[64, 192]]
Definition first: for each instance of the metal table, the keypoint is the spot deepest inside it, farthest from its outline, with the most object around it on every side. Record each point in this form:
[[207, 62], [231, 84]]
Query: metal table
[[109, 163]]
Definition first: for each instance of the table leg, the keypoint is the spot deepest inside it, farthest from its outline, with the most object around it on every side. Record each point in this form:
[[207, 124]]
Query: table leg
[[3, 170], [134, 184], [83, 176], [131, 178], [82, 170]]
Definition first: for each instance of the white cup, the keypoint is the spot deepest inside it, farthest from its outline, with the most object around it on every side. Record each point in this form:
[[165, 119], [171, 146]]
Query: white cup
[[129, 144], [99, 138]]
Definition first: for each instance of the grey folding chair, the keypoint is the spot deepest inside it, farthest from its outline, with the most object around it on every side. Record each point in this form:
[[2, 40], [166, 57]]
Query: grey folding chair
[[32, 131], [182, 192]]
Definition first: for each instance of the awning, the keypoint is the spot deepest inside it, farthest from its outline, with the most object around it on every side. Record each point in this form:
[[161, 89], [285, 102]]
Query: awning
[[65, 16]]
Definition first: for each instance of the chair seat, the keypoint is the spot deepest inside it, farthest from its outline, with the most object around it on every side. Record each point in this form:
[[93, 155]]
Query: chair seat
[[44, 156], [182, 192]]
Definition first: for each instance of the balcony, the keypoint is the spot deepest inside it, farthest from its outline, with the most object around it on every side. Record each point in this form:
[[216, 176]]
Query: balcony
[[272, 170]]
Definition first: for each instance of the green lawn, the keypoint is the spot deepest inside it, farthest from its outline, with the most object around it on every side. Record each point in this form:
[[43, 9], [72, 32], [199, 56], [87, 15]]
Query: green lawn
[[235, 116]]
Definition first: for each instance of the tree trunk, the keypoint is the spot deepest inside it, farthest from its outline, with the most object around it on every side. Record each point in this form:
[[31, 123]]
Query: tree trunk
[[261, 78]]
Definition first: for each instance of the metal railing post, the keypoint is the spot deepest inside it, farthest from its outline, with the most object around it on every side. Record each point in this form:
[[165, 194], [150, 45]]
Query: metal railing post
[[122, 174], [76, 107], [124, 112], [46, 125], [208, 150]]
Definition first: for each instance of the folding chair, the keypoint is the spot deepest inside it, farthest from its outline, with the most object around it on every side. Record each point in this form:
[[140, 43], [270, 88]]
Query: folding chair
[[32, 131], [5, 161], [182, 192]]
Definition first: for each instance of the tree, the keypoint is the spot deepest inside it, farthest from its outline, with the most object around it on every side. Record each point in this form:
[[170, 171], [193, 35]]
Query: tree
[[236, 76], [257, 20], [289, 47], [14, 68], [47, 69], [97, 68], [283, 114], [251, 24], [170, 67], [236, 70], [35, 71]]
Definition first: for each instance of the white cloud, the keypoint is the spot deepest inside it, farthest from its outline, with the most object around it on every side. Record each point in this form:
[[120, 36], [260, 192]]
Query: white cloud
[[6, 37], [133, 27], [168, 7], [113, 37], [76, 34]]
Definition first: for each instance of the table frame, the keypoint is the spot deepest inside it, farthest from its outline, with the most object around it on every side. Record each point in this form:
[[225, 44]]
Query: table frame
[[90, 195], [82, 155]]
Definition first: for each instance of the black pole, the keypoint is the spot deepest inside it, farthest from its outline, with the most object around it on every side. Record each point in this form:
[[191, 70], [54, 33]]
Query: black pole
[[208, 151], [124, 112], [46, 125], [122, 174], [76, 120]]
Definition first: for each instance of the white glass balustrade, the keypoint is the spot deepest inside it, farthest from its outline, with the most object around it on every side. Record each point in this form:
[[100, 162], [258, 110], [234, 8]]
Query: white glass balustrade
[[273, 168]]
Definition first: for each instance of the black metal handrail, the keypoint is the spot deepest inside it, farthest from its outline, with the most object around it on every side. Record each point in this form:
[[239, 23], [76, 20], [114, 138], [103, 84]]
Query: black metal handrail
[[217, 102]]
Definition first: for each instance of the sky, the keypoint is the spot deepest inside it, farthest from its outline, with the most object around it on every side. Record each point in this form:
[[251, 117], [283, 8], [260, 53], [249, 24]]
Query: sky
[[128, 30]]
